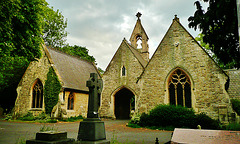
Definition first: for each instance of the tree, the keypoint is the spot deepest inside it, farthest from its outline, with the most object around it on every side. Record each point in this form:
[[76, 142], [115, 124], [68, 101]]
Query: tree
[[54, 28], [20, 37], [204, 45], [21, 28], [219, 28], [78, 51], [24, 25], [20, 42]]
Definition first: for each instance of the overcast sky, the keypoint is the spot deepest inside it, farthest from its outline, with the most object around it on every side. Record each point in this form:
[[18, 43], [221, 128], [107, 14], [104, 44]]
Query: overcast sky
[[101, 25]]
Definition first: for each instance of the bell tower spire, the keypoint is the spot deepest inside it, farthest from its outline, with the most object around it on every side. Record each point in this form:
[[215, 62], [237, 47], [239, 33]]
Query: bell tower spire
[[139, 38]]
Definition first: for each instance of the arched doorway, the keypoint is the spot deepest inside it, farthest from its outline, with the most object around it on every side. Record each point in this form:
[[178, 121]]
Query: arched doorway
[[124, 103]]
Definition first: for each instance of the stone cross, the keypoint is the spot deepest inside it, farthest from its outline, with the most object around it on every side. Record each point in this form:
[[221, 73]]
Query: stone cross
[[95, 88]]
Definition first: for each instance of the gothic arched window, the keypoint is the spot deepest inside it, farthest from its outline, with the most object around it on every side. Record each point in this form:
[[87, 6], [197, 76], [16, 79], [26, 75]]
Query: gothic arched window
[[70, 101], [37, 95], [179, 88], [123, 71]]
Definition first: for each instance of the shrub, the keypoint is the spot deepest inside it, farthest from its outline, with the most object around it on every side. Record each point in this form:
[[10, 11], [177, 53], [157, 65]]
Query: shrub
[[168, 115], [8, 117], [135, 119], [28, 117], [236, 105], [42, 116], [72, 119], [233, 126], [52, 89], [206, 122]]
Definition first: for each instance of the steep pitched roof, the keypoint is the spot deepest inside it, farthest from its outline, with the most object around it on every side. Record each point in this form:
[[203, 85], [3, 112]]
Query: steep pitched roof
[[137, 54], [138, 29], [176, 21], [73, 72], [134, 51], [234, 84]]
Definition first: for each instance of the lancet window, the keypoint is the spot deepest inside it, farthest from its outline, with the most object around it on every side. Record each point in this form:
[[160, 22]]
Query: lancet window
[[37, 95], [123, 71], [71, 101], [179, 87]]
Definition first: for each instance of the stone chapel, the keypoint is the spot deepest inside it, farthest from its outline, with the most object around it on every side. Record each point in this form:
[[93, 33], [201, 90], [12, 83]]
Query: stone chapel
[[180, 72], [72, 72]]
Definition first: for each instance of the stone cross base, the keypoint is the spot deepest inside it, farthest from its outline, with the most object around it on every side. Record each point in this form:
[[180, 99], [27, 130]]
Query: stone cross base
[[93, 142], [92, 131], [51, 137]]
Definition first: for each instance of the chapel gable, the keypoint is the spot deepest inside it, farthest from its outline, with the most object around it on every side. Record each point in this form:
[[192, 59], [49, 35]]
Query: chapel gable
[[181, 72]]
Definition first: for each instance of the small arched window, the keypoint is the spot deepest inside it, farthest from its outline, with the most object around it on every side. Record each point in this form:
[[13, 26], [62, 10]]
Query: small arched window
[[179, 88], [71, 101], [37, 95], [123, 71]]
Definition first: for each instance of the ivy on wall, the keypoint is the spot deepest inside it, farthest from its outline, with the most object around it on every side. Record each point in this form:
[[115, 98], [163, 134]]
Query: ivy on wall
[[51, 90]]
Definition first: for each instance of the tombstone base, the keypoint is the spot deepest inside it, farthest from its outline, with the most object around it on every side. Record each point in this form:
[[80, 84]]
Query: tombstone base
[[51, 137], [93, 142], [92, 130]]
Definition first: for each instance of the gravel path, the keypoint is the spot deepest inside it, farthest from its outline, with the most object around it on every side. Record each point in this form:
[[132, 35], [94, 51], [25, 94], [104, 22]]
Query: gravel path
[[11, 132]]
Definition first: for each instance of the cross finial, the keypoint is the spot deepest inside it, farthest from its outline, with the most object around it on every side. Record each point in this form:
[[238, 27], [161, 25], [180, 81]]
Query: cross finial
[[176, 18], [138, 15]]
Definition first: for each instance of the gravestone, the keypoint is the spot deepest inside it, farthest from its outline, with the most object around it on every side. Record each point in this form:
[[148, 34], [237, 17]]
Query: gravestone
[[51, 137], [92, 129], [197, 136]]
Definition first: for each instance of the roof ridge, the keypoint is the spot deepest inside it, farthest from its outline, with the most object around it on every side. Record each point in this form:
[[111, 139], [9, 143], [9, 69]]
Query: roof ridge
[[73, 56], [133, 49]]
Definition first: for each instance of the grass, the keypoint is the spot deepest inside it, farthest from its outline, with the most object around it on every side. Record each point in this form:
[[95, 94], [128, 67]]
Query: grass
[[41, 118]]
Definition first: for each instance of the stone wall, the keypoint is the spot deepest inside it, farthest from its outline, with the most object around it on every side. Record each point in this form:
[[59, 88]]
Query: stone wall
[[80, 104], [113, 81], [36, 70], [178, 49]]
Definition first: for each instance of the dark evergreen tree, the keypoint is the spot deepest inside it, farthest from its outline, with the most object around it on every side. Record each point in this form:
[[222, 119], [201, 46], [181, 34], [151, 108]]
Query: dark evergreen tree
[[220, 30]]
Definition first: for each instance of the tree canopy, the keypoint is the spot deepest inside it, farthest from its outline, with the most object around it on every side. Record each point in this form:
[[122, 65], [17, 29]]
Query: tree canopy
[[25, 25], [20, 37], [54, 28], [78, 51], [220, 30]]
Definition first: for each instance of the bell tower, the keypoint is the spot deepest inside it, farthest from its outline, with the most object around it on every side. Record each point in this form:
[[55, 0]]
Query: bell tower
[[139, 38]]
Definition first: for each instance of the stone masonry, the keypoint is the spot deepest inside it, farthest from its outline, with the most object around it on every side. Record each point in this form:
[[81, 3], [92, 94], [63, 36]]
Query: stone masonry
[[178, 49], [149, 83]]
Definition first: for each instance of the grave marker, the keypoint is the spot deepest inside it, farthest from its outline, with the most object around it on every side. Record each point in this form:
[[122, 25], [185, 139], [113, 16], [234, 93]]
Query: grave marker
[[92, 129], [196, 136]]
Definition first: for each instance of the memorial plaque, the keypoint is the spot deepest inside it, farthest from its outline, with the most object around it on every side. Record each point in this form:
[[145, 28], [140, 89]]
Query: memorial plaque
[[196, 136]]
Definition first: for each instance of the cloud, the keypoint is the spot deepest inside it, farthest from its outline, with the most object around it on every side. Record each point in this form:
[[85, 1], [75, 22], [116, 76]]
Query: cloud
[[101, 25]]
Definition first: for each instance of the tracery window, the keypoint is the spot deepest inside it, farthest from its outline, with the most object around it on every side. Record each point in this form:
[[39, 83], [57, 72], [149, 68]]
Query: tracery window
[[37, 95], [71, 101], [179, 87], [123, 71]]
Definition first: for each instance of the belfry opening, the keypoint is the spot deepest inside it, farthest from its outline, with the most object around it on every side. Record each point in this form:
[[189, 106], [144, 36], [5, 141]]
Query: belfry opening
[[124, 103]]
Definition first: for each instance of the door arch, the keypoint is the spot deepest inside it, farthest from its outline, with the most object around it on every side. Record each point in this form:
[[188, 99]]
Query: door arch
[[124, 102]]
